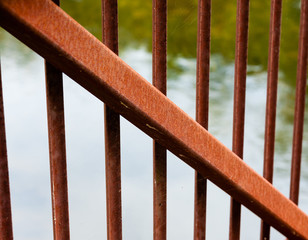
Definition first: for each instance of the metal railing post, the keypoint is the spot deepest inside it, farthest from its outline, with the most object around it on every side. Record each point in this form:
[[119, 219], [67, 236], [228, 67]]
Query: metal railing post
[[271, 101], [299, 103], [241, 51], [112, 132], [6, 232], [202, 109], [57, 150], [159, 68]]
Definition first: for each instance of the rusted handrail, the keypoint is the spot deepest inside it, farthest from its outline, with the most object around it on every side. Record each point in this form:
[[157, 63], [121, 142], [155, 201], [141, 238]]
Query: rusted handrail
[[68, 46]]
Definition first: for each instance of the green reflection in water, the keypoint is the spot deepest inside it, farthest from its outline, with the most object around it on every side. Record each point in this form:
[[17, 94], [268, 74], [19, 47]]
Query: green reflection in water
[[135, 29]]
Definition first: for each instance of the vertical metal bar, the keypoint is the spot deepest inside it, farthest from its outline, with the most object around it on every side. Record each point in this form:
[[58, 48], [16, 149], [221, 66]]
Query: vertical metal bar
[[112, 132], [57, 150], [271, 102], [6, 232], [159, 192], [202, 108], [299, 103], [159, 152], [241, 50]]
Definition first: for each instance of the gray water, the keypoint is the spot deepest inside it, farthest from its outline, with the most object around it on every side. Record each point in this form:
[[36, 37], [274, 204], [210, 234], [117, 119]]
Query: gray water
[[27, 141]]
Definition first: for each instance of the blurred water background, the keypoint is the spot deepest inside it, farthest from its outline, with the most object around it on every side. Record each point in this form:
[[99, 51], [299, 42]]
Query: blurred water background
[[26, 122]]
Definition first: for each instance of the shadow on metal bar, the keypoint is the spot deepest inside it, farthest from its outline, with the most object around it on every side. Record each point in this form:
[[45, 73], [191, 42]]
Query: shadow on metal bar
[[49, 31]]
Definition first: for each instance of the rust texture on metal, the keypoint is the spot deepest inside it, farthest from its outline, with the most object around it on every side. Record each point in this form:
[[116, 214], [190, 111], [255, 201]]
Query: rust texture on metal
[[112, 132], [160, 45], [57, 152], [271, 101], [6, 232], [160, 192], [299, 103], [159, 67], [113, 174], [202, 109], [241, 49], [73, 50]]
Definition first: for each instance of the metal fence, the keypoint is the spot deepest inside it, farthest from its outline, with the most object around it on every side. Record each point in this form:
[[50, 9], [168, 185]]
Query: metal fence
[[69, 48]]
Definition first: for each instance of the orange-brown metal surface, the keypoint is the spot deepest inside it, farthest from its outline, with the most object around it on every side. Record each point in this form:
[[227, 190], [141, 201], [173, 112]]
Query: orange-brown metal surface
[[202, 108], [112, 132], [270, 117], [113, 174], [299, 103], [72, 49], [241, 51], [159, 152], [57, 152], [6, 230], [159, 192]]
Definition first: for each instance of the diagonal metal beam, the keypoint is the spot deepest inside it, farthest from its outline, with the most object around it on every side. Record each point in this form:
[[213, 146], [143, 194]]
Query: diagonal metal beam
[[49, 31]]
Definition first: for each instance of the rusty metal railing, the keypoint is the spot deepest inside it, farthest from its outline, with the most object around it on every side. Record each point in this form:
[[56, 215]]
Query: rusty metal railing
[[202, 109], [68, 47], [159, 151], [57, 150], [112, 132], [270, 119], [5, 205]]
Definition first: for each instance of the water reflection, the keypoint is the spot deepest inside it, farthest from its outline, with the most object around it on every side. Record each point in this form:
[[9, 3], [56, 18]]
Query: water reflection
[[135, 30], [135, 21], [135, 34]]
